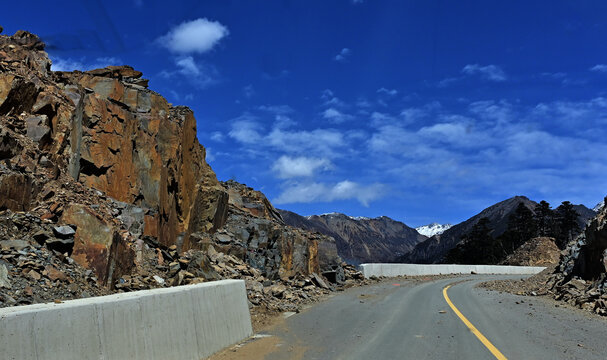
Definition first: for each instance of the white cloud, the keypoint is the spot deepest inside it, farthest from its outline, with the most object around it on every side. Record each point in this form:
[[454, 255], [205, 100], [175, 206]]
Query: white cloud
[[196, 36], [209, 155], [448, 81], [289, 167], [488, 72], [187, 66], [389, 92], [321, 142], [599, 68], [322, 192], [336, 116], [329, 99], [217, 136], [245, 129], [343, 55], [69, 64], [200, 74]]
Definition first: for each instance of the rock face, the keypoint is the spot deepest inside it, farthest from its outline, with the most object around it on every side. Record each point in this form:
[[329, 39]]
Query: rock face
[[361, 240], [581, 277], [255, 232], [108, 131], [98, 154]]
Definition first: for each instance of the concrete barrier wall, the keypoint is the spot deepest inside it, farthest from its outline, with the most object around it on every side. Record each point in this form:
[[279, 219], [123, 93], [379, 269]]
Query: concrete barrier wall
[[389, 270], [181, 323]]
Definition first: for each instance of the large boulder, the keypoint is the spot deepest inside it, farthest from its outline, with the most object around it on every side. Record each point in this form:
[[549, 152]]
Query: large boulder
[[97, 244]]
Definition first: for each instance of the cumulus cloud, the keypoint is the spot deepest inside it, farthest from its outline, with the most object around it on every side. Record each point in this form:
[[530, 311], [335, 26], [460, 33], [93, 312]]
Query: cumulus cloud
[[343, 55], [336, 116], [599, 68], [322, 192], [290, 167], [488, 72], [196, 36]]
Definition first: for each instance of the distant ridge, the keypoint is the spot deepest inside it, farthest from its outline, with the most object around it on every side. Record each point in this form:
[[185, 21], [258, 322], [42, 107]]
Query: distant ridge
[[360, 239]]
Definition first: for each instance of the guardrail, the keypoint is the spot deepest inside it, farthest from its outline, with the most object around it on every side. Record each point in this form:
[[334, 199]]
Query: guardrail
[[390, 270], [182, 323]]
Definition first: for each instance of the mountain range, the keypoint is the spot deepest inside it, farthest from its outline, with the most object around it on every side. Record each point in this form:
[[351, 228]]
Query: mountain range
[[360, 239], [382, 239], [436, 247]]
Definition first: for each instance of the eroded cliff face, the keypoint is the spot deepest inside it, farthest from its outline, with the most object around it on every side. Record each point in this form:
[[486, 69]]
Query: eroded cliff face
[[108, 131], [99, 150], [256, 233]]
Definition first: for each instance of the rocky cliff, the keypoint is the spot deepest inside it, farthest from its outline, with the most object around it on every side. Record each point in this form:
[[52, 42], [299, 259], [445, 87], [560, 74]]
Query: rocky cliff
[[110, 171], [361, 240], [581, 277]]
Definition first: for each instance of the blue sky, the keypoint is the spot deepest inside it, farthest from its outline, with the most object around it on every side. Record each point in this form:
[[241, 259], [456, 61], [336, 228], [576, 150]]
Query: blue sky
[[419, 110]]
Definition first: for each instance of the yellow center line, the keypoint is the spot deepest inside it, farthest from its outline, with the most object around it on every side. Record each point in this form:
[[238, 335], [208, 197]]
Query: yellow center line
[[481, 337]]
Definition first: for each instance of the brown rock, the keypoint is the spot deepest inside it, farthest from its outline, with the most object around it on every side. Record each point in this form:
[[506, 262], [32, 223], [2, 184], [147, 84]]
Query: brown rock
[[97, 245], [17, 191], [53, 274], [34, 275]]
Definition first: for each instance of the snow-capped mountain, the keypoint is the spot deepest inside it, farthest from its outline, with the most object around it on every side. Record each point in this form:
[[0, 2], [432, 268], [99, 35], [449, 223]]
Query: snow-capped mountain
[[336, 214], [432, 229], [599, 206]]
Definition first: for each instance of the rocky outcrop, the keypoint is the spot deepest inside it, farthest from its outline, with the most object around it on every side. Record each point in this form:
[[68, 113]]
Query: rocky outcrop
[[255, 233], [99, 154], [360, 240], [581, 277], [108, 131]]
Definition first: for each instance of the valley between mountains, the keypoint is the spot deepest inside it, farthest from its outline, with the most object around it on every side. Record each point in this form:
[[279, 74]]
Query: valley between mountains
[[105, 188]]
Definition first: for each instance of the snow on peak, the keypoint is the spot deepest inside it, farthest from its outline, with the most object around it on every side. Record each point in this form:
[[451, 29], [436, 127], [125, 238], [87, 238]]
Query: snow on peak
[[599, 206], [433, 229], [336, 214]]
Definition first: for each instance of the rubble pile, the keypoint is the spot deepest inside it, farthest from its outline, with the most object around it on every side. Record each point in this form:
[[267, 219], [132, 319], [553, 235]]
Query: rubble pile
[[540, 251]]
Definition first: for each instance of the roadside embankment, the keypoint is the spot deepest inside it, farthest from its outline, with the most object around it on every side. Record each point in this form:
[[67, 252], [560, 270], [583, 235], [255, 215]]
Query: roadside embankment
[[183, 322], [390, 270]]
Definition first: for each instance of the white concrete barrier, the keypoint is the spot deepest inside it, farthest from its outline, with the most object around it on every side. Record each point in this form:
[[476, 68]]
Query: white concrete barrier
[[182, 323], [390, 270]]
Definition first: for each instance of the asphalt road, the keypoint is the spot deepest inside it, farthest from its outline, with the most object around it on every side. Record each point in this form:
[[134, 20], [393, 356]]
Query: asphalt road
[[412, 320]]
